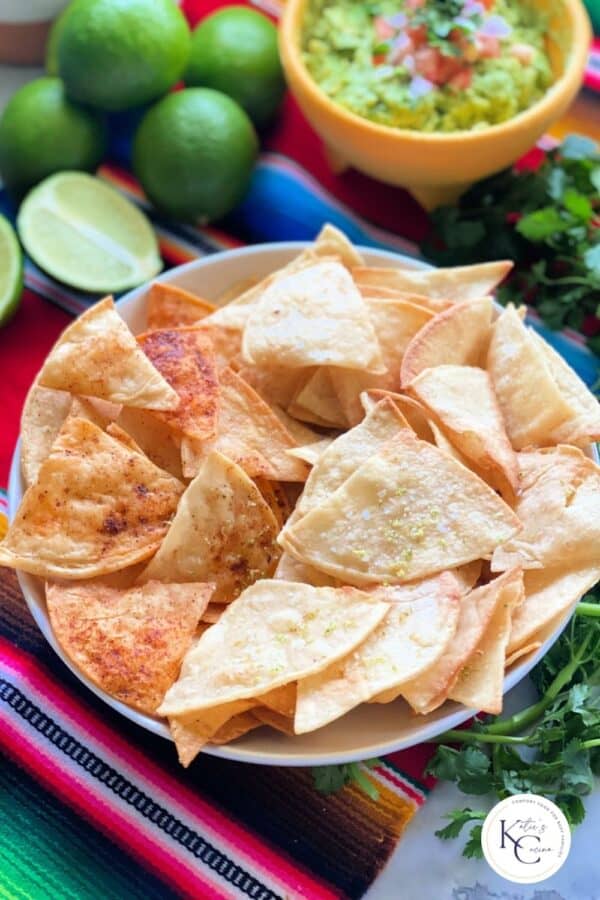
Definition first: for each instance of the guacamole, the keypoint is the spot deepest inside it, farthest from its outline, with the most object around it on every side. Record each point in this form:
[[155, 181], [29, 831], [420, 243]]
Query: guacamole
[[428, 65]]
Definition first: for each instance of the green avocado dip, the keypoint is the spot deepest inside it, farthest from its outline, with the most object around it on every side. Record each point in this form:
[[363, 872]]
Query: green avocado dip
[[428, 65]]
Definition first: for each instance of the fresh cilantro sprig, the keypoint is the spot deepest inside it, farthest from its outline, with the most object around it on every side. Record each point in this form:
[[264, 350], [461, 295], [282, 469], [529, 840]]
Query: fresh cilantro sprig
[[548, 222]]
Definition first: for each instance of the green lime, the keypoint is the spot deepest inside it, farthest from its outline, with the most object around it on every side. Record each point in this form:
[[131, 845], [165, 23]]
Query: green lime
[[193, 154], [235, 51], [115, 54], [11, 271], [42, 132], [83, 232], [52, 42]]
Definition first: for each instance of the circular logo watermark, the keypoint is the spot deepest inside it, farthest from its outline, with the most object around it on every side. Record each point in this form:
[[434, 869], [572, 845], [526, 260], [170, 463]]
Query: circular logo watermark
[[525, 838]]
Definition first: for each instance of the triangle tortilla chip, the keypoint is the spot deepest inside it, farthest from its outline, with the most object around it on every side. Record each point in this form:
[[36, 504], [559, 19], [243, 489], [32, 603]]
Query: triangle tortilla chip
[[128, 642], [223, 533], [559, 506], [96, 507], [170, 306], [185, 357], [296, 630], [98, 356], [311, 318], [410, 639], [317, 401], [530, 400], [409, 511], [461, 400], [457, 336], [457, 284]]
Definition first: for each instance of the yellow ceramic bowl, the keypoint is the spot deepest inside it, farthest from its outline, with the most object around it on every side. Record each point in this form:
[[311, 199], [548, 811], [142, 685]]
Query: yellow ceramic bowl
[[437, 168]]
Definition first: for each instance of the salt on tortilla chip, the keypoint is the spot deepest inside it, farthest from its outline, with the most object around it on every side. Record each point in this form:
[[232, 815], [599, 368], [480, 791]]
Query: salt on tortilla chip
[[317, 401], [396, 322], [98, 356], [457, 336], [192, 733], [415, 632], [313, 317], [412, 411], [480, 682], [155, 437], [461, 401], [457, 284], [44, 412], [291, 569], [310, 453], [223, 533], [170, 306], [530, 400], [276, 498], [277, 385], [96, 507], [476, 610], [409, 511], [249, 433], [128, 642], [559, 506], [549, 593], [297, 630], [185, 357]]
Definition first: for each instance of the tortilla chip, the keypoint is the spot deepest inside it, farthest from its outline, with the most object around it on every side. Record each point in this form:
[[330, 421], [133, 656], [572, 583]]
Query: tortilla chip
[[317, 401], [480, 683], [98, 356], [284, 724], [411, 638], [530, 400], [291, 569], [186, 358], [128, 642], [297, 630], [276, 498], [170, 306], [157, 439], [96, 507], [192, 733], [559, 506], [457, 336], [412, 411], [476, 610], [249, 434], [313, 317], [457, 284], [409, 511], [462, 401], [310, 453], [396, 323], [549, 594], [44, 412], [223, 533]]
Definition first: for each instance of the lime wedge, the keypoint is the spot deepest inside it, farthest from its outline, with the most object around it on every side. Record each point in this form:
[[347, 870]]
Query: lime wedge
[[84, 233], [11, 271]]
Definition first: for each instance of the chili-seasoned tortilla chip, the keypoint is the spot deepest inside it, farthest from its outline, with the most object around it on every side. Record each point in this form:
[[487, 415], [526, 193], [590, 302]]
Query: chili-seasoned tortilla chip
[[313, 317], [249, 434], [223, 533], [291, 569], [396, 322], [98, 356], [409, 511], [457, 284], [185, 357], [128, 642], [44, 412], [170, 306], [96, 507], [461, 400], [317, 401], [415, 632], [559, 506], [296, 630], [412, 411], [476, 610], [530, 400], [157, 439], [480, 682], [457, 336], [549, 593]]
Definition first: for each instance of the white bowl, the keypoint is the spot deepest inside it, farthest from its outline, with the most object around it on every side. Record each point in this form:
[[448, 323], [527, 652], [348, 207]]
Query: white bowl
[[371, 729]]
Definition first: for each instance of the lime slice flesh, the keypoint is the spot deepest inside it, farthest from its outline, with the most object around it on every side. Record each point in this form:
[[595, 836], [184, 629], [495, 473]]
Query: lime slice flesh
[[11, 271], [83, 232]]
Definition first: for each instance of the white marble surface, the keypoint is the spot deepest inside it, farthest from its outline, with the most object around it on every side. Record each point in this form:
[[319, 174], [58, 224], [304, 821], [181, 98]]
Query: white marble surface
[[423, 867]]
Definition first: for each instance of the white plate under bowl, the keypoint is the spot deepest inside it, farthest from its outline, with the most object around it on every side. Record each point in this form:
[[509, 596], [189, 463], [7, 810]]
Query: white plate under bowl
[[371, 729]]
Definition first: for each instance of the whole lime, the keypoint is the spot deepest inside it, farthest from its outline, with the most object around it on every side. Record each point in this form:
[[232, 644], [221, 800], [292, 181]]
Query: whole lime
[[193, 154], [42, 132], [115, 54], [235, 51]]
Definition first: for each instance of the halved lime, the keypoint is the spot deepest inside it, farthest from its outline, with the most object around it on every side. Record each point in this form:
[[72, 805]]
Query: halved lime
[[83, 232], [11, 271]]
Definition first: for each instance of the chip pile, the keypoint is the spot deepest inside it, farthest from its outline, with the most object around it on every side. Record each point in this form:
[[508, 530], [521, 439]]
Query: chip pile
[[338, 485]]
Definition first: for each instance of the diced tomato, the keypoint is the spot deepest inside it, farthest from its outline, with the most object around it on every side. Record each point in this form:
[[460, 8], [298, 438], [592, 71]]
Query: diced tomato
[[462, 80], [487, 47], [523, 52], [418, 35], [436, 67], [383, 29]]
